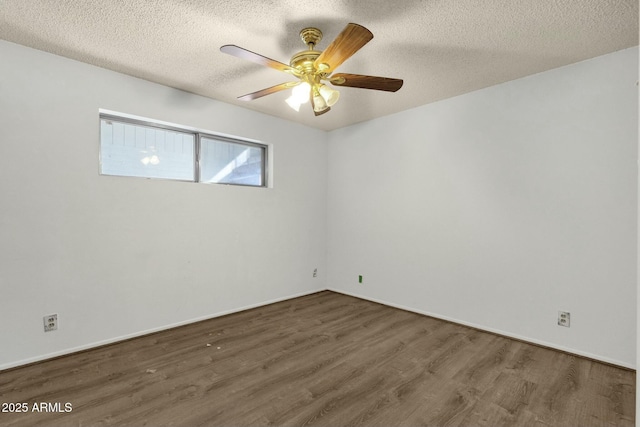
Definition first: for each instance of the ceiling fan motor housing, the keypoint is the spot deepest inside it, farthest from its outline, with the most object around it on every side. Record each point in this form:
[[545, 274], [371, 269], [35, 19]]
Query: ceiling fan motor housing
[[304, 61]]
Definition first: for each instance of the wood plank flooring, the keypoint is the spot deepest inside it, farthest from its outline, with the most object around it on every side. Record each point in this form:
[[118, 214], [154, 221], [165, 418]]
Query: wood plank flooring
[[324, 359]]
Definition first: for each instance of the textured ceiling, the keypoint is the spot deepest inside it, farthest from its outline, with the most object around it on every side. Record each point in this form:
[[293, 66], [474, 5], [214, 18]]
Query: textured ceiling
[[440, 48]]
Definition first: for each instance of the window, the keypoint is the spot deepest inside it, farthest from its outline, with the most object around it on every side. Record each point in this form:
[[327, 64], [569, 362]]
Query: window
[[143, 149], [128, 149], [227, 162]]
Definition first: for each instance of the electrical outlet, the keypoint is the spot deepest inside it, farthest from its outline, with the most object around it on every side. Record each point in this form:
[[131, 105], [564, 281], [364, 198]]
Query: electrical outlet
[[564, 319], [50, 322], [315, 272]]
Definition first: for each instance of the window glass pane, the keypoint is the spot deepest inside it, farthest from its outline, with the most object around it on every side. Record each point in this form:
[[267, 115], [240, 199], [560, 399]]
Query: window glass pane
[[128, 149], [227, 162]]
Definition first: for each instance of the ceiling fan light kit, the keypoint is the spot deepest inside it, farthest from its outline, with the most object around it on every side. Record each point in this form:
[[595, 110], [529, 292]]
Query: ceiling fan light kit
[[299, 95], [313, 68], [330, 95]]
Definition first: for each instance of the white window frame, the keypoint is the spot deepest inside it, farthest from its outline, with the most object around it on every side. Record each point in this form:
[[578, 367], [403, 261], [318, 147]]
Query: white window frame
[[198, 135]]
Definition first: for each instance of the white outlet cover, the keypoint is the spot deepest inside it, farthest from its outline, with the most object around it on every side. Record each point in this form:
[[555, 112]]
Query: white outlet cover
[[564, 319], [50, 322]]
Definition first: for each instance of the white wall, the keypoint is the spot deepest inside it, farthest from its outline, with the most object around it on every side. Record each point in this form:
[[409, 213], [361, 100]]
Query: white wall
[[495, 209], [117, 256], [500, 207]]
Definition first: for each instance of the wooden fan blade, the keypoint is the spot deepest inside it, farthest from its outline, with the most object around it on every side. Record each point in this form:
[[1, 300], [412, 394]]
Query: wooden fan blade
[[268, 91], [242, 53], [366, 82], [348, 42]]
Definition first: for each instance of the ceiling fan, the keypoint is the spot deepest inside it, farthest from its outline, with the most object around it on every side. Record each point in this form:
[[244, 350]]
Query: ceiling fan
[[313, 68]]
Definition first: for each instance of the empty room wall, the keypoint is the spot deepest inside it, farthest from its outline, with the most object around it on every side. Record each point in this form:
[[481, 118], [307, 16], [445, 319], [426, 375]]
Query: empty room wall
[[114, 256], [500, 207], [494, 209]]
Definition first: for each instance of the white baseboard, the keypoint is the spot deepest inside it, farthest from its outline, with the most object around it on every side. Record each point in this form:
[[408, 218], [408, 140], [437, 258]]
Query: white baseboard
[[492, 330], [148, 331], [248, 307]]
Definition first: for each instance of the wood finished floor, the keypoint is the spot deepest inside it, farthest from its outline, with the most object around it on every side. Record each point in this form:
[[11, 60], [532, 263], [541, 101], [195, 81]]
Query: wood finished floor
[[323, 359]]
